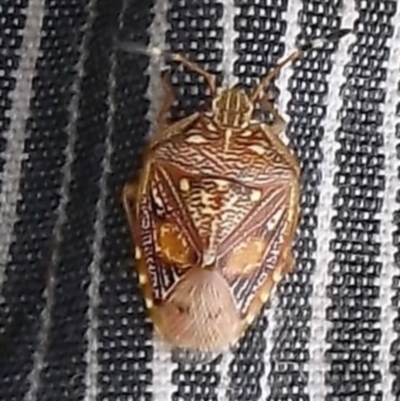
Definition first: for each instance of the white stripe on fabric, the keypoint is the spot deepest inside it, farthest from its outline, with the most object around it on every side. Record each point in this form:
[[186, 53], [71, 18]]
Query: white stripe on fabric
[[162, 366], [162, 369], [223, 369], [324, 234], [230, 35], [293, 30], [157, 31], [272, 313], [41, 350], [390, 206], [15, 136]]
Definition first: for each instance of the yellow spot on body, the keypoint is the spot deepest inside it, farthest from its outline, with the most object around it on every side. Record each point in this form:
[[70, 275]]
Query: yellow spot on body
[[277, 275], [257, 149], [255, 195], [149, 302], [222, 185], [228, 136], [196, 139], [184, 184], [156, 197], [138, 253], [142, 278], [250, 318], [209, 258], [211, 127], [172, 244], [264, 296], [246, 257]]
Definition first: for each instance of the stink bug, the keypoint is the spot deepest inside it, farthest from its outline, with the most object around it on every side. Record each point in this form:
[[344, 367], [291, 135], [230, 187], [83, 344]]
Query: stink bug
[[214, 213]]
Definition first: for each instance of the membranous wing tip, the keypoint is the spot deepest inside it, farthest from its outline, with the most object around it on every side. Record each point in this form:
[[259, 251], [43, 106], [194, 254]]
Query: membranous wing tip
[[193, 357]]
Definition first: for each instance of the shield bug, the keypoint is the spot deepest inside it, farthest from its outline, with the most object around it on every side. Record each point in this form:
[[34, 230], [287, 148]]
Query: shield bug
[[214, 213]]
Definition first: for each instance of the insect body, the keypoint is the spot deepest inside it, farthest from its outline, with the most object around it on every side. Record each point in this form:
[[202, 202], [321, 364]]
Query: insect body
[[213, 216]]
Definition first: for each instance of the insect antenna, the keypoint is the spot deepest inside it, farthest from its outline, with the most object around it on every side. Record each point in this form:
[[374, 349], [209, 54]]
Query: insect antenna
[[317, 43], [320, 42], [139, 48]]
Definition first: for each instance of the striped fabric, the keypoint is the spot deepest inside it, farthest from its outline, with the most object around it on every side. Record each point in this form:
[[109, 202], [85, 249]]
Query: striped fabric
[[74, 116]]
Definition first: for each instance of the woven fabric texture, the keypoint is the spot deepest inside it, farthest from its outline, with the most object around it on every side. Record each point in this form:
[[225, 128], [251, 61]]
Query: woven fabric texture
[[75, 114]]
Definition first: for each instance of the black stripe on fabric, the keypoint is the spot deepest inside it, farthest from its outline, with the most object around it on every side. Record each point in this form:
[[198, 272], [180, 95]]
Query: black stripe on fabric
[[259, 44], [195, 30], [124, 334], [11, 26], [261, 27], [354, 336], [395, 301], [41, 179], [66, 29], [306, 109]]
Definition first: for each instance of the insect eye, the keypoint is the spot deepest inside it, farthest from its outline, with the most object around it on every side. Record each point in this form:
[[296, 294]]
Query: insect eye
[[173, 246], [246, 257]]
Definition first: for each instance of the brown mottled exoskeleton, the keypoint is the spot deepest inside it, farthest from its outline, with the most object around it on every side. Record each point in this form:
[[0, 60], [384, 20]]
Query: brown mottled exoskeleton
[[214, 214]]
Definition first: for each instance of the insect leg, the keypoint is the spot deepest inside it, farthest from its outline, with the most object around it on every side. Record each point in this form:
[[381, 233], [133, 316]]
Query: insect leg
[[129, 194], [132, 191], [168, 100], [133, 47], [210, 78], [293, 217], [174, 129], [273, 73], [293, 56]]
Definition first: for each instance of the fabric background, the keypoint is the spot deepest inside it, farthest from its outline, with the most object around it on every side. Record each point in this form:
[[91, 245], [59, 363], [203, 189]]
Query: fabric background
[[74, 116]]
